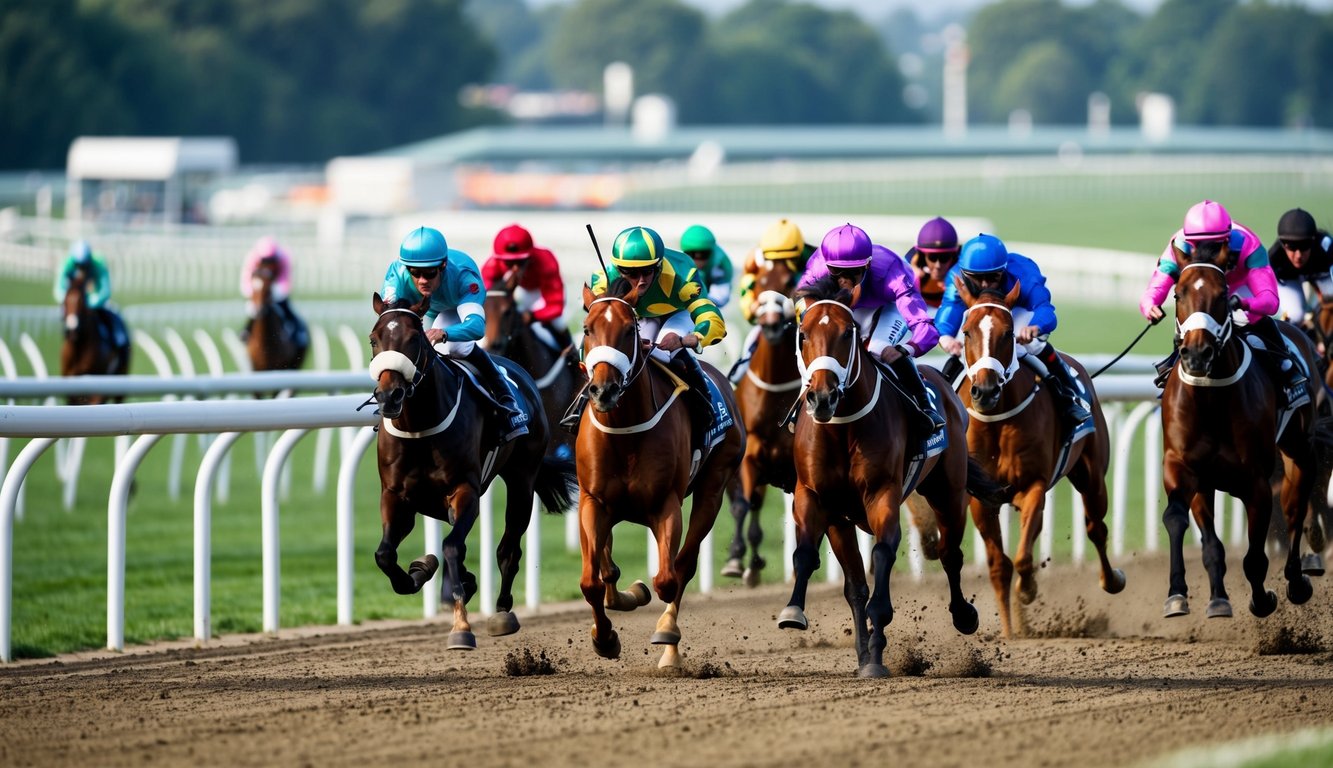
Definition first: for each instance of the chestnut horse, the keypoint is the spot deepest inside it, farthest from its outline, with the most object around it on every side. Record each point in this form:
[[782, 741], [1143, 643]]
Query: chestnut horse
[[437, 456], [272, 345], [764, 396], [1017, 434], [557, 380], [852, 454], [637, 461], [89, 347], [1219, 432]]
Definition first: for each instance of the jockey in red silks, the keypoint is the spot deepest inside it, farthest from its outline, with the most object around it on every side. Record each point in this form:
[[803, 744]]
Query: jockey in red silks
[[1250, 280], [540, 291], [887, 305]]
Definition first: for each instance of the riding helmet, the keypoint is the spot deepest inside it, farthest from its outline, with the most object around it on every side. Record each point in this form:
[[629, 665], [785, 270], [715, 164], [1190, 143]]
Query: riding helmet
[[1297, 225], [937, 236], [81, 251], [983, 253], [423, 247], [697, 238], [783, 240], [513, 243], [637, 247], [1207, 221], [846, 247]]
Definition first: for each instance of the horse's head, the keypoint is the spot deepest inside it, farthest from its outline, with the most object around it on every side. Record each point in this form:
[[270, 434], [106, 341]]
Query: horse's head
[[828, 343], [1203, 316], [261, 281], [503, 320], [400, 352], [989, 347], [612, 351], [774, 311], [75, 303]]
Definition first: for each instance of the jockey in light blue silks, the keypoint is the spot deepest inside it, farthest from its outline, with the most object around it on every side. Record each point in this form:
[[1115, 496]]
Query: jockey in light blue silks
[[96, 287], [456, 319]]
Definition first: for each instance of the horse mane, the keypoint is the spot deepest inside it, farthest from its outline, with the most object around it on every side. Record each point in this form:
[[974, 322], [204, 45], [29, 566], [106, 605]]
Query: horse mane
[[825, 288]]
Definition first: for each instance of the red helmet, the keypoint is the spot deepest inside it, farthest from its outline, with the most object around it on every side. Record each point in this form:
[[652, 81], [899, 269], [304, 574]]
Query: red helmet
[[514, 243]]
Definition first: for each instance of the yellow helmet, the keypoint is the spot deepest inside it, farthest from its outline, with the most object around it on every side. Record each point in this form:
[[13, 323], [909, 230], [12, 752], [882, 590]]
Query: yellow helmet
[[783, 240]]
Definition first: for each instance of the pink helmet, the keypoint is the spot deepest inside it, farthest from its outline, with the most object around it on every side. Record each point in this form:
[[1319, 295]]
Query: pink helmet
[[266, 247], [846, 247], [1207, 221]]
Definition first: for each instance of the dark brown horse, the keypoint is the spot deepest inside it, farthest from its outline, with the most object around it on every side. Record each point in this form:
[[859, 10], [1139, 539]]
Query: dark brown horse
[[558, 381], [89, 346], [272, 345], [852, 454], [764, 396], [1017, 435], [637, 461], [437, 455], [1219, 433]]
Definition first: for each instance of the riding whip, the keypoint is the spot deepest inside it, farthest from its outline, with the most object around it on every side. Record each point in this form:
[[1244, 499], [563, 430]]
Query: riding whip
[[598, 250]]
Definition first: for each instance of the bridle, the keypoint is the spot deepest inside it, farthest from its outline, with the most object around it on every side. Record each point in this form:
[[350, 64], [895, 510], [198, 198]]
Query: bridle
[[413, 369], [1220, 332], [628, 366], [988, 361]]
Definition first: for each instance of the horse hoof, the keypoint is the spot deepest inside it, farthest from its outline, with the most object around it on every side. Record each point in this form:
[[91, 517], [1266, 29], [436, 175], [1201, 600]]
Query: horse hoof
[[733, 568], [640, 592], [1176, 605], [751, 577], [462, 641], [792, 617], [1117, 583], [608, 648], [670, 658], [965, 618], [1265, 608], [502, 623], [1027, 589], [1312, 564], [872, 671], [665, 637], [1220, 608], [1299, 591], [426, 564]]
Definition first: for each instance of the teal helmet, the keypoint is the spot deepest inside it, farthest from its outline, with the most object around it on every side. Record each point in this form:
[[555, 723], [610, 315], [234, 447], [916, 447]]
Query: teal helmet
[[423, 247], [697, 238], [983, 253], [81, 252], [637, 247]]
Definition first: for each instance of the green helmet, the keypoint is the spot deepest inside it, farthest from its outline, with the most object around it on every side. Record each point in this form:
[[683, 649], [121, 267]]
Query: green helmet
[[637, 247], [697, 238]]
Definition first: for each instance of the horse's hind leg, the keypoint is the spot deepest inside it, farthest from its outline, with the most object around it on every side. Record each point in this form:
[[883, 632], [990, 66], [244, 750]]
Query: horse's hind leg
[[754, 535], [398, 519], [518, 513], [617, 599], [740, 505], [1296, 490], [1091, 485]]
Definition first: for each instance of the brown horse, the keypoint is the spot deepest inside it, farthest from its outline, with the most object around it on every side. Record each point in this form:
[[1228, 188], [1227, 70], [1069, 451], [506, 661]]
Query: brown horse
[[557, 380], [272, 345], [1219, 433], [1017, 435], [637, 460], [89, 347], [854, 465], [764, 396], [437, 456]]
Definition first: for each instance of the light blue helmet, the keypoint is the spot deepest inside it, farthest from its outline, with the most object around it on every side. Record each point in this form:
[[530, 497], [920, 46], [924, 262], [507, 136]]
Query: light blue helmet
[[983, 253], [81, 252], [423, 247]]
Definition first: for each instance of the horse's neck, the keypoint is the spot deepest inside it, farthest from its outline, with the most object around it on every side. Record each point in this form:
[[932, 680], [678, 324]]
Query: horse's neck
[[434, 396], [528, 351], [776, 363]]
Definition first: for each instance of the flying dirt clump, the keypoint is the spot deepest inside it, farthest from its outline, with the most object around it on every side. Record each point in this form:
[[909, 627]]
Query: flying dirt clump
[[522, 663]]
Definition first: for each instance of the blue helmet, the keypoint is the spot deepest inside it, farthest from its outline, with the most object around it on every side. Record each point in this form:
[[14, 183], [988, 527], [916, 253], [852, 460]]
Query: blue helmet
[[423, 247], [81, 252], [983, 253]]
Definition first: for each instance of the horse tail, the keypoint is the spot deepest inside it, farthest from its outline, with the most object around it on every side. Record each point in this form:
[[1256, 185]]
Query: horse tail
[[557, 485], [983, 487]]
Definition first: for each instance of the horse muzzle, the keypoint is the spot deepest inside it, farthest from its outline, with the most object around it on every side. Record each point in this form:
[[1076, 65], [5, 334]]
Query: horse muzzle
[[822, 403], [985, 397], [1197, 359], [775, 330], [605, 397], [391, 402]]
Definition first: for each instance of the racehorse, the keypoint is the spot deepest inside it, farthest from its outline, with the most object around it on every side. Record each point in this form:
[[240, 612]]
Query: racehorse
[[272, 344], [1219, 433], [638, 458], [855, 463], [89, 346], [764, 396], [438, 453], [1017, 435], [558, 381]]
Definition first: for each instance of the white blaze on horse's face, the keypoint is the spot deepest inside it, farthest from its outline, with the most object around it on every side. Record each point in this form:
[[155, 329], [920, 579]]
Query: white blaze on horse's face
[[987, 325], [257, 283], [393, 325], [1198, 284]]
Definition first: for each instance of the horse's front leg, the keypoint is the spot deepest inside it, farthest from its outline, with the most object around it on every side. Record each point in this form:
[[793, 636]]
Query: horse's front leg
[[987, 520], [887, 530], [464, 502], [811, 522], [668, 583], [594, 544], [1297, 486], [1030, 503], [1180, 484], [397, 520], [842, 538], [1214, 554]]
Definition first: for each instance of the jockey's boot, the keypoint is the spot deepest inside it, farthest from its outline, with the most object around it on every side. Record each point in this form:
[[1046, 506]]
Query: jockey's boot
[[564, 341], [570, 421], [686, 365], [1284, 368], [742, 365], [952, 369], [494, 379], [912, 385], [1063, 386], [300, 335]]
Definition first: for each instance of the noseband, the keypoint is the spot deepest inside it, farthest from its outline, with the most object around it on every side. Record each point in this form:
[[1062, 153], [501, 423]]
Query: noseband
[[847, 373], [988, 361], [1221, 332], [627, 365], [393, 360]]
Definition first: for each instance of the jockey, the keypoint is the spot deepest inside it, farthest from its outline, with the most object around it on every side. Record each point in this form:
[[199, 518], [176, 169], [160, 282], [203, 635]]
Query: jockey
[[673, 312], [782, 241], [267, 248], [456, 319], [1250, 280], [986, 262], [97, 288], [539, 290], [893, 319], [1302, 253], [714, 266], [935, 253]]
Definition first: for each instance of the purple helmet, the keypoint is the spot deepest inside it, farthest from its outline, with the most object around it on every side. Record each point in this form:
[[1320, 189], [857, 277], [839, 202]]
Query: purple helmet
[[846, 247], [937, 236], [1207, 221]]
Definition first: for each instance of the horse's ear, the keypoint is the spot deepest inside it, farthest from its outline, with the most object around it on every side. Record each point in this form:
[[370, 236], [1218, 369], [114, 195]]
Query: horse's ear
[[377, 303], [421, 307], [964, 290], [588, 297], [1012, 296], [1181, 257]]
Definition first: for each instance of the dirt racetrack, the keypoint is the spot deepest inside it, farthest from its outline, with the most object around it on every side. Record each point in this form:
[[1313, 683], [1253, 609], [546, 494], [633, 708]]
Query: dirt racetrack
[[1107, 682]]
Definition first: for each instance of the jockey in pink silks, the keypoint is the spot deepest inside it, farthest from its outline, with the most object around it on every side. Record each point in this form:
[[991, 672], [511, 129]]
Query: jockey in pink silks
[[268, 248], [1250, 280]]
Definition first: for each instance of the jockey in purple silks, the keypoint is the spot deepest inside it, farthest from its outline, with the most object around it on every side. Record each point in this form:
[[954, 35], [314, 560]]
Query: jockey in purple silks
[[887, 305], [1250, 280]]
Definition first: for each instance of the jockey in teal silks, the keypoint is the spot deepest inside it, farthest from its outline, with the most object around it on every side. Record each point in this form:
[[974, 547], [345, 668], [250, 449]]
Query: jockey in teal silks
[[97, 289]]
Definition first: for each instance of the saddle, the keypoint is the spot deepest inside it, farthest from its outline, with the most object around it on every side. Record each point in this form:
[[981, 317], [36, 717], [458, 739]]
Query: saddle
[[111, 327], [702, 438], [495, 425]]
